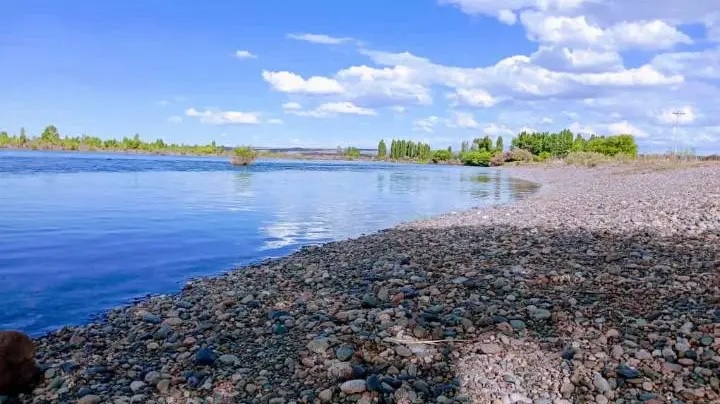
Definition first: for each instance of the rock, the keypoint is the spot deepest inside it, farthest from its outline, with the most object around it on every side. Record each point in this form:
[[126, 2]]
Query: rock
[[627, 372], [539, 314], [136, 386], [172, 321], [642, 355], [228, 359], [326, 396], [18, 371], [152, 377], [601, 384], [344, 353], [370, 301], [204, 357], [373, 383], [318, 345], [517, 324], [90, 399], [341, 370], [163, 386], [706, 340], [490, 349], [403, 351], [353, 386]]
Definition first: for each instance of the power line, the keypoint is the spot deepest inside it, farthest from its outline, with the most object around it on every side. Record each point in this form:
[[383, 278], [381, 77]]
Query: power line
[[677, 119]]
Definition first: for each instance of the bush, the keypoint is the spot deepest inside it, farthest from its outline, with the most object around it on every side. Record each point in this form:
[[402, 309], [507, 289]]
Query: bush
[[543, 156], [476, 158], [243, 155], [518, 155], [497, 160], [585, 159], [441, 155]]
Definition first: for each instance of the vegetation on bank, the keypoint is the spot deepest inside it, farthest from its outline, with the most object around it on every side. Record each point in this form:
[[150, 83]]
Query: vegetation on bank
[[51, 139], [526, 147], [243, 155]]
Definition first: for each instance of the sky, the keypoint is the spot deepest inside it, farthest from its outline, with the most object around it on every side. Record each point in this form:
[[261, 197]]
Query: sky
[[328, 73]]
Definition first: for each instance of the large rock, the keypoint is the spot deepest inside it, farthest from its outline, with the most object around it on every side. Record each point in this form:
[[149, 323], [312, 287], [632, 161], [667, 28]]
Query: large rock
[[18, 371]]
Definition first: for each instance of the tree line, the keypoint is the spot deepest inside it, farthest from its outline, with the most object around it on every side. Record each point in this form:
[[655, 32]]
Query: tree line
[[527, 146], [51, 139]]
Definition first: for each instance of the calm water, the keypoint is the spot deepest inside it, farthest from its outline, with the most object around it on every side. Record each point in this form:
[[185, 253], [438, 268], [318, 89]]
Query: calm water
[[81, 233]]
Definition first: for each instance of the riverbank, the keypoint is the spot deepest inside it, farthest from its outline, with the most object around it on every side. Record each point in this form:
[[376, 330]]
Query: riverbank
[[601, 286]]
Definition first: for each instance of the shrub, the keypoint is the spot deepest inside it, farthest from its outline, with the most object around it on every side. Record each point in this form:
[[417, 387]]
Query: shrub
[[543, 156], [497, 160], [585, 159], [476, 158], [518, 155], [442, 155], [243, 155]]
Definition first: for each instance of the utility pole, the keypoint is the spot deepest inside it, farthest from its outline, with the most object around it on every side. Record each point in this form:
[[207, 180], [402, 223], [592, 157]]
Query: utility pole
[[677, 119]]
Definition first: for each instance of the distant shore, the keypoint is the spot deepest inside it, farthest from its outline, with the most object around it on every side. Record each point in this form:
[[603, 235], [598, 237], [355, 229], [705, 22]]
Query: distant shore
[[261, 154], [602, 286]]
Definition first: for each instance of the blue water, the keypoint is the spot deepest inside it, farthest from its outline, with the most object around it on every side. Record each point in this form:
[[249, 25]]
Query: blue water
[[81, 233]]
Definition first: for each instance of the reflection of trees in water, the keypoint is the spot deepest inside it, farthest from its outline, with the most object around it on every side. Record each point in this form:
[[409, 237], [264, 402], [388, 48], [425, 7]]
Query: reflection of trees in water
[[380, 182], [502, 185], [408, 182], [242, 185]]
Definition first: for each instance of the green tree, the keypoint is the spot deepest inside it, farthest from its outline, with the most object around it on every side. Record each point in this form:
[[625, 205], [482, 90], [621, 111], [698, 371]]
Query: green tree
[[50, 135], [499, 146], [382, 149]]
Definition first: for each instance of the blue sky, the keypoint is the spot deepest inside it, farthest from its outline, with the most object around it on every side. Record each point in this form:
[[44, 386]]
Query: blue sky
[[329, 73]]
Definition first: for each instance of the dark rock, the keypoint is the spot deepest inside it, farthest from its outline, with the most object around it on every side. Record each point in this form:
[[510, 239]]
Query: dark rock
[[279, 329], [204, 357], [627, 372], [373, 383], [568, 354], [370, 301], [152, 319]]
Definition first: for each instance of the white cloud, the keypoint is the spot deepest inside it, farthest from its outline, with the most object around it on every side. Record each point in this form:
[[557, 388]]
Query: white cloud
[[275, 121], [426, 124], [398, 109], [578, 31], [547, 120], [291, 106], [175, 119], [214, 117], [332, 109], [685, 115], [462, 120], [163, 103], [703, 64], [576, 60], [320, 38], [288, 82], [495, 130], [624, 127], [245, 54], [473, 98]]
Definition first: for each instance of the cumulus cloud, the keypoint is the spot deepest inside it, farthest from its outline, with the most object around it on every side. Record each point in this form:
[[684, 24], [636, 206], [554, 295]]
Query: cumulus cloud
[[426, 124], [288, 82], [463, 120], [330, 109], [215, 117], [291, 106], [320, 38], [244, 54], [275, 121]]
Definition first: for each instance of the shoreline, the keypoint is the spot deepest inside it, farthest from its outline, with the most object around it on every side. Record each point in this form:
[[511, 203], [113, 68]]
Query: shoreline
[[334, 322]]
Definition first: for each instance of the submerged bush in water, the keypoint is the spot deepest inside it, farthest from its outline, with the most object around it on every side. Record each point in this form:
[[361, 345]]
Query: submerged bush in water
[[243, 155]]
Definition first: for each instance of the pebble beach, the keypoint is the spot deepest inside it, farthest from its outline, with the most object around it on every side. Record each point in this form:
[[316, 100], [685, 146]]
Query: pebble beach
[[600, 287]]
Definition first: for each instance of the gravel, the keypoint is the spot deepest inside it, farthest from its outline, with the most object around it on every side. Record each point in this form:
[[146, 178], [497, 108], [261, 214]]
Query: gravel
[[600, 287]]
